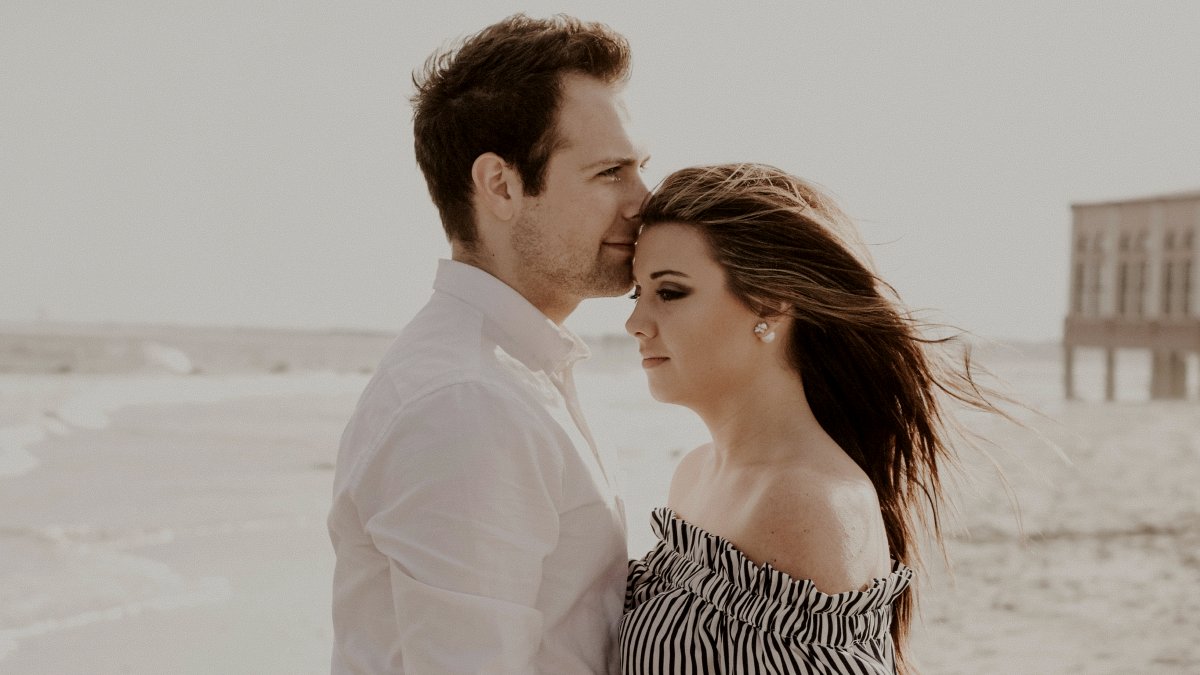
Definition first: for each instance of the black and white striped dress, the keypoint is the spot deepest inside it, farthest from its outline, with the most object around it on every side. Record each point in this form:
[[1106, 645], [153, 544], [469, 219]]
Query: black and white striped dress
[[695, 604]]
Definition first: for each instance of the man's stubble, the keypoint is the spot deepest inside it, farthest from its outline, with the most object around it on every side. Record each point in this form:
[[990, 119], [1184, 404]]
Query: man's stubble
[[579, 272]]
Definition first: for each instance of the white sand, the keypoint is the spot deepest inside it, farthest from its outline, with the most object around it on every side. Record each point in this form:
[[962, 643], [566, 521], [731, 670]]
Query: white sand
[[175, 523], [180, 537]]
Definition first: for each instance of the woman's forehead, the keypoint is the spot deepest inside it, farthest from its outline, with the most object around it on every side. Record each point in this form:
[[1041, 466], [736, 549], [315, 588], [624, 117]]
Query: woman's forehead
[[673, 246]]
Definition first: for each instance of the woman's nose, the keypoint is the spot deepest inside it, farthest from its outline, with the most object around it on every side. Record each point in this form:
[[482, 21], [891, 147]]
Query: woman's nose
[[637, 324]]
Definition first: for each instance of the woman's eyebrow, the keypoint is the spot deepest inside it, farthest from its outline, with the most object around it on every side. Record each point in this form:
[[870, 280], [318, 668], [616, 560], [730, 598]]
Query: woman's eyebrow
[[655, 275]]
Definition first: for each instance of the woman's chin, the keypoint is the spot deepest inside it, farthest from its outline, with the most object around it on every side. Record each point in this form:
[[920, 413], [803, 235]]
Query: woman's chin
[[663, 394]]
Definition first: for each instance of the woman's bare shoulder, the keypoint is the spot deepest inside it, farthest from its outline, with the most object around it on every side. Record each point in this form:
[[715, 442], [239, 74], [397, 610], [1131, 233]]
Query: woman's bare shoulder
[[823, 525]]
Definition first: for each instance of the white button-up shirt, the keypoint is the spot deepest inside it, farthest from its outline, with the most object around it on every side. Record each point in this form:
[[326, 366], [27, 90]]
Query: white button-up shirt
[[475, 526]]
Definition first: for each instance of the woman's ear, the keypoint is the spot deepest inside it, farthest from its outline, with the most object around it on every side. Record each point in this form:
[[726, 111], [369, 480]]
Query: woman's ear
[[498, 188]]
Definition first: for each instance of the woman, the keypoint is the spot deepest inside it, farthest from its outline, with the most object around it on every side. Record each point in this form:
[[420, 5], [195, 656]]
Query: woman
[[786, 542]]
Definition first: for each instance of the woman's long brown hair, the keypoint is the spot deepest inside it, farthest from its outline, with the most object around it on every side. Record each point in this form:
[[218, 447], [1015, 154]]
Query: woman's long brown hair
[[874, 382]]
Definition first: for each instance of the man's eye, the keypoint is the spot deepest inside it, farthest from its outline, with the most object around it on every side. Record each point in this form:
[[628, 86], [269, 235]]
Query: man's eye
[[612, 172], [637, 293]]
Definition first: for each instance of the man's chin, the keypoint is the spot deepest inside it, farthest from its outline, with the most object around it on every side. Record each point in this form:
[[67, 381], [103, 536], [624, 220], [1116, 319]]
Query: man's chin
[[612, 290], [609, 282]]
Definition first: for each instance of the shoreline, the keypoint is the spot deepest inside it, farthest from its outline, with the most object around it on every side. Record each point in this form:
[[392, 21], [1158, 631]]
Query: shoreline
[[175, 523]]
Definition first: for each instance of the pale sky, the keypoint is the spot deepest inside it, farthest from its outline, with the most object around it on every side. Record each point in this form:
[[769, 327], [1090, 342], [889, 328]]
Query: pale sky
[[242, 162]]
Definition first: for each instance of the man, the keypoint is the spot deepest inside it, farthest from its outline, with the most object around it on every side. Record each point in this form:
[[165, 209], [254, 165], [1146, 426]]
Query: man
[[474, 519]]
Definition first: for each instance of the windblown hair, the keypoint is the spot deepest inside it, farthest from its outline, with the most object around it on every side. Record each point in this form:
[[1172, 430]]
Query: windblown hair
[[872, 380], [499, 91]]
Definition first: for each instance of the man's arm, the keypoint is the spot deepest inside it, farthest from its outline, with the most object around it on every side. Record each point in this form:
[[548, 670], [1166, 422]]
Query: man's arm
[[460, 494]]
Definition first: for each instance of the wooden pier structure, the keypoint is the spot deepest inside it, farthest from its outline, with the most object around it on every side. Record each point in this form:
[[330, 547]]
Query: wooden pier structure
[[1134, 285]]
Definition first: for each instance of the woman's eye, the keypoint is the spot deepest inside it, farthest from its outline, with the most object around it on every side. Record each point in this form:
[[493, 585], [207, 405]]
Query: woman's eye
[[664, 294]]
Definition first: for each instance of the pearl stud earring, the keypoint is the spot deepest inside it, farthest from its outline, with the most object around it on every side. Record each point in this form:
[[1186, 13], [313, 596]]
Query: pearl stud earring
[[761, 330]]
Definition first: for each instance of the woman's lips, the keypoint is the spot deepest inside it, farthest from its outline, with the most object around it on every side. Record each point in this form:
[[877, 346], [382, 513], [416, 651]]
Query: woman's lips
[[653, 361]]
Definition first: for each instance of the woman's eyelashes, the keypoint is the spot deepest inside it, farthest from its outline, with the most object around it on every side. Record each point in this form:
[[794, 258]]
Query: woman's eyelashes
[[666, 293]]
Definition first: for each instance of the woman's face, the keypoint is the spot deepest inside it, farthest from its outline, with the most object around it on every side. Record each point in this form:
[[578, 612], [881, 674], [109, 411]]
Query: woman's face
[[696, 338]]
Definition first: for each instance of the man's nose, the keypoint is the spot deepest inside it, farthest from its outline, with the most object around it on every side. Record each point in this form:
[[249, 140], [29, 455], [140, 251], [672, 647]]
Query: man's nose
[[636, 198]]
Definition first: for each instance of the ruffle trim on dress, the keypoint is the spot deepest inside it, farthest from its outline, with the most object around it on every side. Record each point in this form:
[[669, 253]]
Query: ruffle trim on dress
[[709, 566]]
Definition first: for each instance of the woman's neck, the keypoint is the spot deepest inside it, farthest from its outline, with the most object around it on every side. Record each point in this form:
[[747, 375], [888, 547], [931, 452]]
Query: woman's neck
[[765, 420]]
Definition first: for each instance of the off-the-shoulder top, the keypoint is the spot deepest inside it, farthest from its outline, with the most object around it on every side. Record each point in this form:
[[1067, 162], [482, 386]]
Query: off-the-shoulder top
[[696, 604]]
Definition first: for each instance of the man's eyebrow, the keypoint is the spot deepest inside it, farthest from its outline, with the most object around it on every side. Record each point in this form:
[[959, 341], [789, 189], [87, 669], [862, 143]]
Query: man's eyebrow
[[655, 275], [616, 161]]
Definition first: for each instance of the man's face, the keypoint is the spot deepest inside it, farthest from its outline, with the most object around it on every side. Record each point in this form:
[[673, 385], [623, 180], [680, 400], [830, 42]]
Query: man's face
[[575, 240]]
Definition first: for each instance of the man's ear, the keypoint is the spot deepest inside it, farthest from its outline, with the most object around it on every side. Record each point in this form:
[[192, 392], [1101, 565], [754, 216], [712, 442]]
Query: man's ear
[[498, 187]]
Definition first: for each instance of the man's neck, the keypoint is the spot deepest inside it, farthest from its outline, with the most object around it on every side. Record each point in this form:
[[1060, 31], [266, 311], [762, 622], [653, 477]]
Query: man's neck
[[547, 301]]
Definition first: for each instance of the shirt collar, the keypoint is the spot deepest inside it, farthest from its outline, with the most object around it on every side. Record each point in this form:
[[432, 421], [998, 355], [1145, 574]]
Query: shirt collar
[[536, 340]]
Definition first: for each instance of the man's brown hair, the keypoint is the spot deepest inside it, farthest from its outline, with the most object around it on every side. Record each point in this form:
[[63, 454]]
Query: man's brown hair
[[499, 91]]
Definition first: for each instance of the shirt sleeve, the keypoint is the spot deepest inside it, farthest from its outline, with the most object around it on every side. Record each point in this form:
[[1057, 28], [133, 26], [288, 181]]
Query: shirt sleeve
[[461, 496]]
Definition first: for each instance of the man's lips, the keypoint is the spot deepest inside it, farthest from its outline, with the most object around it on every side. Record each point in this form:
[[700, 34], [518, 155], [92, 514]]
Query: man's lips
[[622, 245]]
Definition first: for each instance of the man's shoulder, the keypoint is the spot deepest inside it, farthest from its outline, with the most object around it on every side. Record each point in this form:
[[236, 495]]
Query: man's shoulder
[[460, 419], [445, 359], [441, 345], [445, 336], [460, 416]]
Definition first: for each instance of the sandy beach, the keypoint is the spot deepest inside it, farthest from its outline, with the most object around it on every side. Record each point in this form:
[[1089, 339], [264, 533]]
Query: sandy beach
[[181, 537], [164, 511]]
